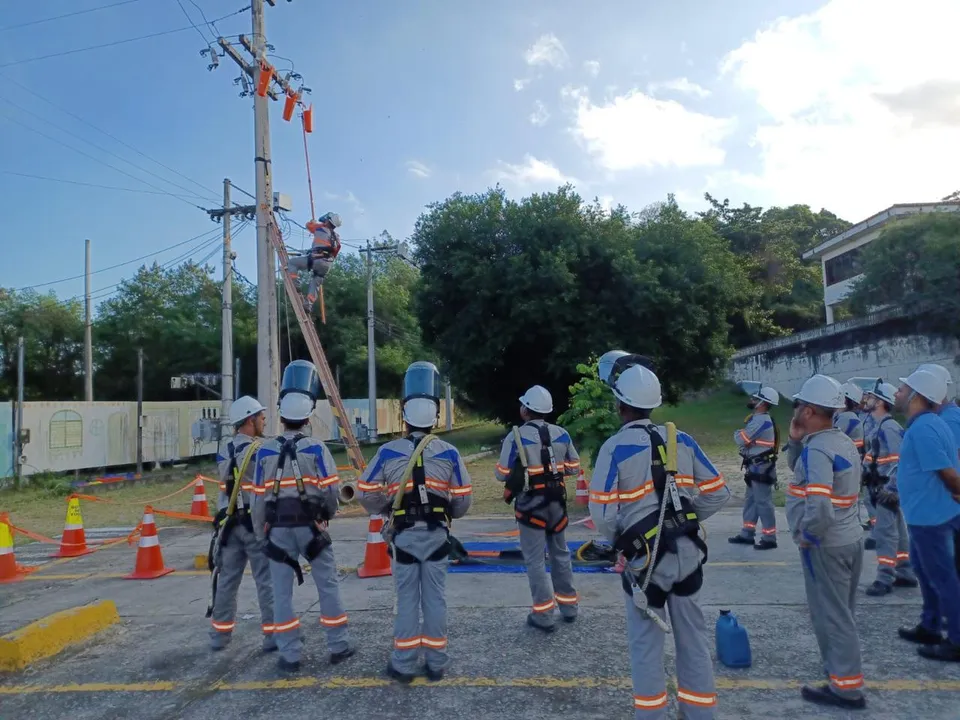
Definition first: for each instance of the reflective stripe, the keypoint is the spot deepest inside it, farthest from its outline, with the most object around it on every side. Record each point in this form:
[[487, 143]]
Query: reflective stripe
[[6, 550], [769, 531], [888, 459], [328, 481], [434, 643], [763, 443], [796, 491], [744, 436], [461, 491], [699, 699], [639, 493], [818, 490], [223, 627], [197, 498], [369, 487], [567, 599], [408, 644], [245, 487], [148, 519], [844, 501], [888, 561], [847, 683], [650, 702], [750, 526], [903, 556], [502, 470], [374, 537], [149, 541], [545, 607], [435, 484], [604, 498], [572, 465], [712, 485], [268, 628], [72, 526], [284, 627], [334, 621]]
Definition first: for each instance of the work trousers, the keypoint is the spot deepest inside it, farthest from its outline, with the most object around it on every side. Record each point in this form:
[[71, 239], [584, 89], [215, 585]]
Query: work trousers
[[932, 552], [893, 547], [241, 546], [421, 589], [321, 266], [323, 569], [758, 505], [547, 595], [831, 576]]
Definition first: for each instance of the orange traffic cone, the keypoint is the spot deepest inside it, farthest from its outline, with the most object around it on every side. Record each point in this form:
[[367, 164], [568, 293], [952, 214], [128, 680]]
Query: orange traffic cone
[[9, 570], [583, 490], [149, 558], [73, 543], [199, 506], [376, 562]]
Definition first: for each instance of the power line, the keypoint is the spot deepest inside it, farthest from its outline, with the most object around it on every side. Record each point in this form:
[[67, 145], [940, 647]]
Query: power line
[[66, 15], [234, 186], [104, 132], [93, 185], [210, 23], [190, 20], [114, 43]]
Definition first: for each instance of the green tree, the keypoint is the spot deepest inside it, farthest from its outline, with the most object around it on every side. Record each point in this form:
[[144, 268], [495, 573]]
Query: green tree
[[915, 263], [518, 293], [591, 417]]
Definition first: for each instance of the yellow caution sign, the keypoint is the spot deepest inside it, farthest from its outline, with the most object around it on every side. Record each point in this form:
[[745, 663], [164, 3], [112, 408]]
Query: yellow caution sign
[[6, 537], [74, 518]]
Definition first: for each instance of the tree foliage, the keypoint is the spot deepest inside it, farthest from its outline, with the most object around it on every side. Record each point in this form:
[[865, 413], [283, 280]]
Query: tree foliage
[[914, 263], [518, 293]]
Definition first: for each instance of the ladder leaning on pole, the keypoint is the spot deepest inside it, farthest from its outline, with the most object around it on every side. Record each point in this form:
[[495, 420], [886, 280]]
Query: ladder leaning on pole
[[309, 331]]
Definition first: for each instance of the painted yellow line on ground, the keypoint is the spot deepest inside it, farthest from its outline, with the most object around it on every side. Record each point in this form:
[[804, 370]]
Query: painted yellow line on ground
[[35, 576], [373, 683]]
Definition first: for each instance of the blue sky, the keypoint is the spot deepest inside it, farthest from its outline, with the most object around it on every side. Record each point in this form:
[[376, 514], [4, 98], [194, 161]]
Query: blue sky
[[765, 101]]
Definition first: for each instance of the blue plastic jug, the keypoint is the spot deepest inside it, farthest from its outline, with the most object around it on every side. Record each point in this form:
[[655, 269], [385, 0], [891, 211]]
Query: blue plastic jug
[[733, 645]]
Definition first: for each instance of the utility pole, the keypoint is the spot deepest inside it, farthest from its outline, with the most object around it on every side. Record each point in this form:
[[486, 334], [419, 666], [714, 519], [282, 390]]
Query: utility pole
[[371, 337], [18, 440], [449, 423], [140, 411], [87, 329], [236, 379], [226, 320]]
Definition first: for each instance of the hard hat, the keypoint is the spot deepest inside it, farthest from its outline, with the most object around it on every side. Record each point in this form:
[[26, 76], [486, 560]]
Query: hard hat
[[638, 387], [852, 391], [822, 391], [614, 362], [538, 399], [767, 395], [300, 376], [938, 370], [927, 384], [332, 218], [421, 412], [296, 406], [884, 391], [243, 408]]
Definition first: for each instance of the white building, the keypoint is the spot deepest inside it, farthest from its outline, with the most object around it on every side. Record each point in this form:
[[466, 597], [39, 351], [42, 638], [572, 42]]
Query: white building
[[840, 256]]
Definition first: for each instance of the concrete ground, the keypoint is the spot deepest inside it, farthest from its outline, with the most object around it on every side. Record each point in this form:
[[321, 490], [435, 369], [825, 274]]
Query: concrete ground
[[156, 665]]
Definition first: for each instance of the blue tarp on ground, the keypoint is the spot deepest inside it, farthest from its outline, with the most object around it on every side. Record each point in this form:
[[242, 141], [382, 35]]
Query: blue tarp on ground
[[503, 565]]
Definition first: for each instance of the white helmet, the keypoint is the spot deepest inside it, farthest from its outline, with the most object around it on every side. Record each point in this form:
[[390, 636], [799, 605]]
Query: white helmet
[[332, 218], [853, 391], [822, 391], [884, 391], [927, 384], [538, 399], [939, 371], [638, 387], [420, 412], [296, 406], [244, 408], [767, 395]]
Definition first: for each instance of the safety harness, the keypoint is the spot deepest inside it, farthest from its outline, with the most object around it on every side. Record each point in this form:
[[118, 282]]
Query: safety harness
[[417, 503], [768, 476], [550, 484], [302, 511], [871, 478], [676, 518]]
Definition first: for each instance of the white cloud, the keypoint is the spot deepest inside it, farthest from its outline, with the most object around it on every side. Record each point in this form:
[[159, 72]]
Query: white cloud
[[547, 50], [540, 115], [636, 131], [520, 83], [348, 199], [532, 174], [861, 108], [680, 85], [683, 47], [592, 67], [418, 169]]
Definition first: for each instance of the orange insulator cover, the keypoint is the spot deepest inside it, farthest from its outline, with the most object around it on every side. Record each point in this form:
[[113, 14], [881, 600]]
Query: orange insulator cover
[[308, 119], [289, 105], [263, 80]]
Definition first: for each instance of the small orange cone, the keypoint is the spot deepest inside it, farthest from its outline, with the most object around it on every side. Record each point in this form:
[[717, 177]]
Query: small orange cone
[[376, 562], [583, 490], [149, 558], [73, 543], [9, 570], [199, 506]]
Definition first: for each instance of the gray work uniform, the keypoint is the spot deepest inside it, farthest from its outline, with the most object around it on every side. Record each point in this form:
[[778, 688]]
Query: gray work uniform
[[869, 425], [242, 545], [320, 479], [890, 530], [420, 581], [535, 542], [318, 261], [758, 438], [621, 494], [822, 512]]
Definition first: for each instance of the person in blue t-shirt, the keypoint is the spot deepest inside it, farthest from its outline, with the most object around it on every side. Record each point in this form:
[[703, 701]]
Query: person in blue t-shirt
[[929, 487]]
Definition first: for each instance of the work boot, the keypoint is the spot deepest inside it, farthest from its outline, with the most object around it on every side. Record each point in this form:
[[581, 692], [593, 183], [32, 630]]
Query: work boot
[[765, 544], [220, 642], [434, 675], [569, 618], [946, 651], [269, 644], [823, 695], [906, 582], [740, 540], [879, 589], [531, 621], [870, 544], [920, 635], [288, 665], [400, 677], [337, 658]]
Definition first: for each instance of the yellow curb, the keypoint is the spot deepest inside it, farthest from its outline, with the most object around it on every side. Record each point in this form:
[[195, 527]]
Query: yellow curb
[[48, 636]]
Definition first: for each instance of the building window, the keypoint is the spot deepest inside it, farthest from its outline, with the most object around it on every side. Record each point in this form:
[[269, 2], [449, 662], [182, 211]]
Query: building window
[[843, 267], [66, 430]]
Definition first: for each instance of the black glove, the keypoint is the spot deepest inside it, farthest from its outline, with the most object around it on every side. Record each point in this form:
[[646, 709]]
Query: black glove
[[889, 499]]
